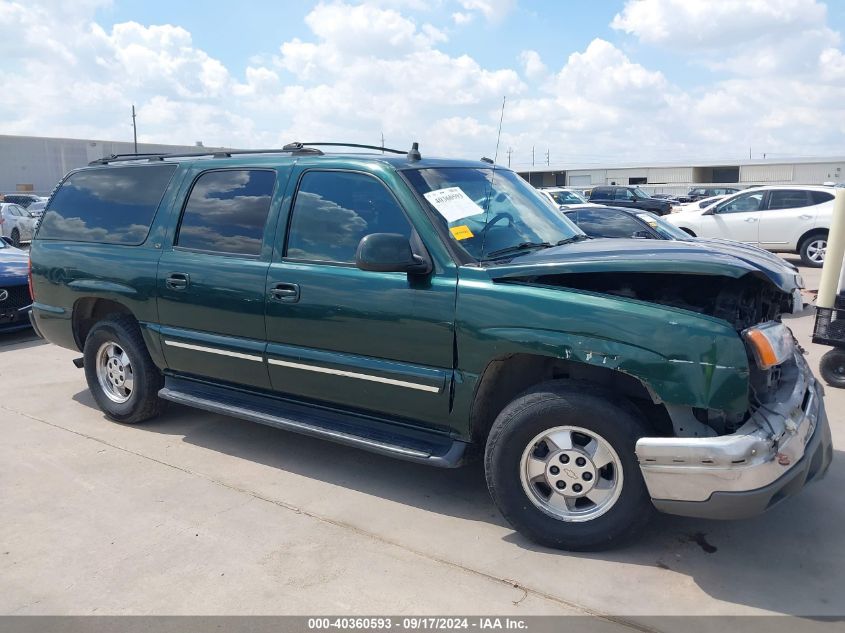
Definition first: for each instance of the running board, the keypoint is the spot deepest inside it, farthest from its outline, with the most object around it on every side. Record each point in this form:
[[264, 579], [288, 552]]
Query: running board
[[351, 429]]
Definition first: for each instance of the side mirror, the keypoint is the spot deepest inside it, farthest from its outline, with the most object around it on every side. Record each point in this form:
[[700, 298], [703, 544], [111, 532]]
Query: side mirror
[[710, 211], [389, 253]]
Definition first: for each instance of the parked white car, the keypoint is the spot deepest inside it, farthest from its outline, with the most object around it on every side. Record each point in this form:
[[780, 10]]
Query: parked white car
[[698, 204], [16, 223], [564, 198], [794, 219]]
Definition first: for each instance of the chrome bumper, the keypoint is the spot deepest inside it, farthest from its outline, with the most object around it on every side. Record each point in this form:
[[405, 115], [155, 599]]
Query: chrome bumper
[[741, 474]]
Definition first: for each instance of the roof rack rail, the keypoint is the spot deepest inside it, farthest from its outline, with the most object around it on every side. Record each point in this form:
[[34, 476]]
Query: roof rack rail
[[375, 147], [290, 148]]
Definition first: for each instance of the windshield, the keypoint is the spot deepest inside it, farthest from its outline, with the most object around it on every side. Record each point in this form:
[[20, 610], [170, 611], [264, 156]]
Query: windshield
[[492, 217], [567, 197], [665, 229], [640, 193]]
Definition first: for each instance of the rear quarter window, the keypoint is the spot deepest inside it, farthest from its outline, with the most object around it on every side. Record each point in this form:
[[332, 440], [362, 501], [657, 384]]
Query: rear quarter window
[[820, 197], [111, 205]]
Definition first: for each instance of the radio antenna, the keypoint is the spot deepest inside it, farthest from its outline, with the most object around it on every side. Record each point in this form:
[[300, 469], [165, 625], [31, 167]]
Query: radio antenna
[[493, 174]]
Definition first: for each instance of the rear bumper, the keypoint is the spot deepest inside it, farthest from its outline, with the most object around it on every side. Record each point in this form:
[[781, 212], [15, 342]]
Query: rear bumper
[[780, 449]]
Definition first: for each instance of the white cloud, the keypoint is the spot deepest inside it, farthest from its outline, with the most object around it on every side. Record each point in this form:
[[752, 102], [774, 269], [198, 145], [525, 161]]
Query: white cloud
[[748, 37], [532, 64], [493, 10], [709, 23], [357, 70]]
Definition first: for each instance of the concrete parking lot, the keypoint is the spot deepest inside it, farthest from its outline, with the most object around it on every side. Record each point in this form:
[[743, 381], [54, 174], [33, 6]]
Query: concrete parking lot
[[201, 514]]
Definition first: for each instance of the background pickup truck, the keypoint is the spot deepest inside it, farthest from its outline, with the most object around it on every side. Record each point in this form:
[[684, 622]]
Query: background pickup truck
[[435, 310]]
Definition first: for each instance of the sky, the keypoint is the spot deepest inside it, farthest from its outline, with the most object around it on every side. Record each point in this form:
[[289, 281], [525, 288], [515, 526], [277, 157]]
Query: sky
[[583, 82]]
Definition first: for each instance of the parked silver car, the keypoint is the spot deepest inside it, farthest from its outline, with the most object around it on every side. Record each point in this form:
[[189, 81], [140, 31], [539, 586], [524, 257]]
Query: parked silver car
[[16, 223]]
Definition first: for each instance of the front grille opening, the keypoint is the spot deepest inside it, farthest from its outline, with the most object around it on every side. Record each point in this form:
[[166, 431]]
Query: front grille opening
[[18, 297]]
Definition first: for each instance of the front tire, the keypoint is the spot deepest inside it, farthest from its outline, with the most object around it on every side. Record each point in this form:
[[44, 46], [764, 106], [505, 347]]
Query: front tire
[[812, 250], [832, 368], [121, 375], [561, 466], [16, 238]]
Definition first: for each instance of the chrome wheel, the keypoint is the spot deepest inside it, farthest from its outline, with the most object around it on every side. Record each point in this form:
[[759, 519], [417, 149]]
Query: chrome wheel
[[816, 249], [114, 372], [571, 473]]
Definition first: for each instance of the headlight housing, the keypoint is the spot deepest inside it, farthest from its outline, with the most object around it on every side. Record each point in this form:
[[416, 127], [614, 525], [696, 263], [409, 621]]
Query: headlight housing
[[771, 343]]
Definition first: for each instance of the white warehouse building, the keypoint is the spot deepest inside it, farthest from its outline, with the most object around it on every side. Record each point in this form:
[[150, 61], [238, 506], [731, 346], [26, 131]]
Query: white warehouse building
[[37, 164], [679, 177]]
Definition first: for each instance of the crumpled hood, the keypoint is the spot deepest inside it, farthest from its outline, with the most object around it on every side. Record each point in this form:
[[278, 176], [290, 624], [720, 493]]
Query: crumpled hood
[[14, 265], [698, 257]]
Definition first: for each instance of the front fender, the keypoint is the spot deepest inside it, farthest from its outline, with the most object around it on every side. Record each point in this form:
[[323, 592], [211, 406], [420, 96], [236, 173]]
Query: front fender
[[681, 357]]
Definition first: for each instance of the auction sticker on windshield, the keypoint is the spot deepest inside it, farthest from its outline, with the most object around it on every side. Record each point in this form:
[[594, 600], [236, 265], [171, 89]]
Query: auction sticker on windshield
[[645, 217], [452, 203]]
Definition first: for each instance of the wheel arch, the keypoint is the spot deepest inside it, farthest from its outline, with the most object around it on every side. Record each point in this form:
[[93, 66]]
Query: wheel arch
[[506, 377], [87, 311], [810, 233]]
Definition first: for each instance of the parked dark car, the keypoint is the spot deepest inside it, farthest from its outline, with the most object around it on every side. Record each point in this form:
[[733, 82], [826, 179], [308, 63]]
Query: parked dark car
[[618, 222], [434, 310], [665, 196], [699, 193], [629, 196], [15, 300], [22, 199]]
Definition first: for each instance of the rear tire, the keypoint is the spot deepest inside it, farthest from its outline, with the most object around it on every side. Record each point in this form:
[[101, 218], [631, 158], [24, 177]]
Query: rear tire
[[587, 496], [16, 238], [121, 375], [812, 250], [832, 368]]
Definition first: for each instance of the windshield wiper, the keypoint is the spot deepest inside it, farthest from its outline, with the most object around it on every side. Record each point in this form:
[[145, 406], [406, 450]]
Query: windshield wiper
[[573, 239], [518, 247]]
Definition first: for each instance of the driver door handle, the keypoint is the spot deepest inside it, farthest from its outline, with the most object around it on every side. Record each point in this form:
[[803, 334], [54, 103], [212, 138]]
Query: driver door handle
[[750, 219], [284, 292], [177, 281]]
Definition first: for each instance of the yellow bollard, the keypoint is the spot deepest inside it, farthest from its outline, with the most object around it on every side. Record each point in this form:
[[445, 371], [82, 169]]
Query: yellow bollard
[[832, 269]]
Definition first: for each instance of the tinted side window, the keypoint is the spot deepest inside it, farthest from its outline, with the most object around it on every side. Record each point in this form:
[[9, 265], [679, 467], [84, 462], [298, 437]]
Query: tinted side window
[[788, 199], [227, 210], [742, 204], [820, 197], [334, 210], [601, 193], [113, 205], [598, 223], [623, 194]]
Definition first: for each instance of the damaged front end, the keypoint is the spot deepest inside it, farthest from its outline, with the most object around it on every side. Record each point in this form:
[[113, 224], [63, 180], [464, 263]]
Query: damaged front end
[[722, 463], [783, 444]]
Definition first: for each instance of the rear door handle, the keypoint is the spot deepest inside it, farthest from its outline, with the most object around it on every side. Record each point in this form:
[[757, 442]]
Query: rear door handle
[[177, 281], [284, 292], [750, 219]]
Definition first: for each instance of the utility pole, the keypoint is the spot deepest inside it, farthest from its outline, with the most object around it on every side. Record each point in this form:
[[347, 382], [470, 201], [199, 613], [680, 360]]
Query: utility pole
[[382, 142], [547, 157], [532, 155], [510, 151], [134, 129]]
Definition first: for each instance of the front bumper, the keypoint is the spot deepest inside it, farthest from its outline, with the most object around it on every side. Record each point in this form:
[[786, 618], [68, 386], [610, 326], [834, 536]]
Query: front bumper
[[781, 447], [15, 319]]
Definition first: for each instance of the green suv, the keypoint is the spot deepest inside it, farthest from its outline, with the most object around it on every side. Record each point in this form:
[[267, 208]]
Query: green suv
[[435, 310]]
